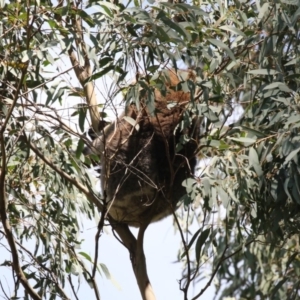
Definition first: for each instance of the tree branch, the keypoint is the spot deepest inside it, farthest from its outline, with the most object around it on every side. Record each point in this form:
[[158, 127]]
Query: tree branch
[[88, 193], [83, 73], [42, 266], [3, 201], [137, 257]]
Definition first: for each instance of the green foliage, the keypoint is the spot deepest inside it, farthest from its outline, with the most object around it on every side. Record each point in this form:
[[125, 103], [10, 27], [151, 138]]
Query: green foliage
[[246, 58]]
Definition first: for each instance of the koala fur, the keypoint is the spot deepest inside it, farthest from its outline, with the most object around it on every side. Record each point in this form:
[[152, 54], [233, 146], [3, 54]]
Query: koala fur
[[141, 173]]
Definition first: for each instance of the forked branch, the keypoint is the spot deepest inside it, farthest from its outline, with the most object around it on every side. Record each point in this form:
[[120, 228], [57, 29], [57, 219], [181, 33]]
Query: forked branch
[[137, 257]]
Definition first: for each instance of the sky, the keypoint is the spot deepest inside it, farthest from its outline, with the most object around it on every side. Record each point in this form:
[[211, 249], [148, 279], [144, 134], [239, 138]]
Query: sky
[[161, 248]]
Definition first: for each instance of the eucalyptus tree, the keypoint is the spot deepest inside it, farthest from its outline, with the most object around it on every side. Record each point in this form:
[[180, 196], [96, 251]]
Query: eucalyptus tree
[[66, 65]]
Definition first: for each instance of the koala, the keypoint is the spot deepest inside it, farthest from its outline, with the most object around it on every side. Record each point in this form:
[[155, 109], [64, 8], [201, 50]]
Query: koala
[[143, 159]]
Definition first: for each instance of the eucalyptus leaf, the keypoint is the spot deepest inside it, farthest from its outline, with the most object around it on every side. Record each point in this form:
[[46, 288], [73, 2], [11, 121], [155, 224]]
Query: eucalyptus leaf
[[200, 242]]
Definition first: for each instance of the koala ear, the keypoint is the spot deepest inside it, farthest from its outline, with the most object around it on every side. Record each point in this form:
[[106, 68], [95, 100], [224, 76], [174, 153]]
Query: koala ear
[[102, 125], [87, 151], [94, 163], [91, 132]]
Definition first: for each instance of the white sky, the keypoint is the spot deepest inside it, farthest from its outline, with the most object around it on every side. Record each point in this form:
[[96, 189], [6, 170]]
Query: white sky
[[161, 246]]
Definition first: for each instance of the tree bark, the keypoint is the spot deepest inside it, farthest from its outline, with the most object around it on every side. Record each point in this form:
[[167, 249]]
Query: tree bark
[[137, 257]]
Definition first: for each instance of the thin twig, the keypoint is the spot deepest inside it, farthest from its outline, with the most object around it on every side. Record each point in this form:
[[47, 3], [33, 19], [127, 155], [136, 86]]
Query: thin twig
[[99, 230], [4, 291], [89, 194], [54, 277], [72, 287]]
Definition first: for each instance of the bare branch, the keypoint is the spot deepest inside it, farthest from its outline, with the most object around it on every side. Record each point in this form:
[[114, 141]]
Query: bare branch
[[100, 228], [137, 257], [72, 287], [83, 73]]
